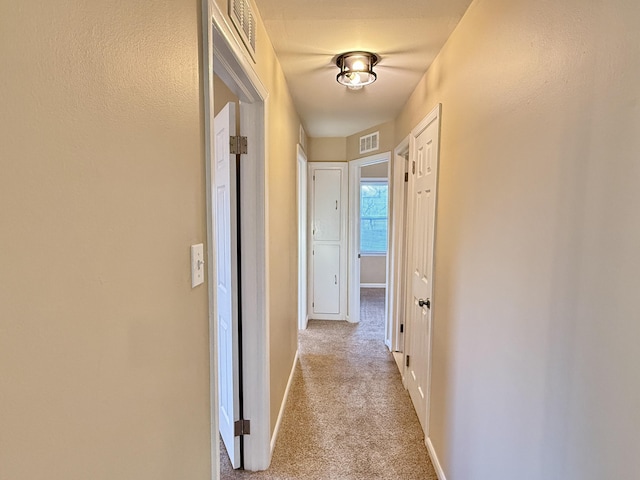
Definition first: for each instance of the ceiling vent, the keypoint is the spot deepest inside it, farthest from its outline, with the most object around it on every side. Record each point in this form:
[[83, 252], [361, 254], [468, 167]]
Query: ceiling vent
[[370, 143], [244, 19]]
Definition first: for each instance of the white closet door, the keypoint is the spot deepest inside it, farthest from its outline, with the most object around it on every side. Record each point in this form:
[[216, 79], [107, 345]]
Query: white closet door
[[326, 278], [328, 234], [327, 203]]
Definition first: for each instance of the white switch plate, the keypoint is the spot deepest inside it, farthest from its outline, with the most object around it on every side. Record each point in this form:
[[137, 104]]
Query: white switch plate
[[197, 265]]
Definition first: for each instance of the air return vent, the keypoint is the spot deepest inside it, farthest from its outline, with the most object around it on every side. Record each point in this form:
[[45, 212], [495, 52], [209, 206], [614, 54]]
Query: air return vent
[[370, 143], [244, 19]]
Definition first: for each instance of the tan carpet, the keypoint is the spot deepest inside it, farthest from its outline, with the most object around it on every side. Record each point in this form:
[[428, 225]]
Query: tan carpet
[[348, 416]]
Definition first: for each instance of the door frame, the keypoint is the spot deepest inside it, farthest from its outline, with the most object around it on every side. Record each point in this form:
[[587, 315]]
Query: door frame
[[397, 246], [224, 55], [355, 167], [301, 192]]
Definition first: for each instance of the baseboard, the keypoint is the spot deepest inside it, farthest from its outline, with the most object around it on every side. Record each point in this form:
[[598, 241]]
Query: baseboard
[[284, 403], [328, 316], [434, 459], [373, 285]]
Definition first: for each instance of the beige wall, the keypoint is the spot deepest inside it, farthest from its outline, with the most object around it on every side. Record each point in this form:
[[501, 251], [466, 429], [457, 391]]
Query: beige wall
[[373, 269], [386, 141], [103, 344], [535, 309], [104, 355], [223, 95], [328, 149], [377, 170], [342, 149]]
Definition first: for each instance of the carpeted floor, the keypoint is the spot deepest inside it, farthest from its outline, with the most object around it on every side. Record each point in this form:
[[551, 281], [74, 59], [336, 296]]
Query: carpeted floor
[[348, 416]]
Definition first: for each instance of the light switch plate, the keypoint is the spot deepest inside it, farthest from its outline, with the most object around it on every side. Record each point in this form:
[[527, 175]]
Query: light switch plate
[[197, 265]]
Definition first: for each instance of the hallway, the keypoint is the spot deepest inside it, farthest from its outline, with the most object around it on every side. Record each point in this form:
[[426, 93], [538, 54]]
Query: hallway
[[348, 416]]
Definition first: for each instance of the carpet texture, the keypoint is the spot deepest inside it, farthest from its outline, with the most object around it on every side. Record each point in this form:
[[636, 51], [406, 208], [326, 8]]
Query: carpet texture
[[348, 417]]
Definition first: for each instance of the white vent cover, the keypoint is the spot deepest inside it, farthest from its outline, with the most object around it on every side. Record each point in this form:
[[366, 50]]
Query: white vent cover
[[243, 18], [370, 143]]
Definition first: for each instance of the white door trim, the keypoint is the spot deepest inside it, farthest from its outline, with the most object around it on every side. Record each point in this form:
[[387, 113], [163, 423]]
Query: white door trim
[[301, 192], [355, 167], [223, 54], [397, 250]]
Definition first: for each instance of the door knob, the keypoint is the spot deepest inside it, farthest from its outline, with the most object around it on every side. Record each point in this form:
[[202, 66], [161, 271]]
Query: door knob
[[425, 303]]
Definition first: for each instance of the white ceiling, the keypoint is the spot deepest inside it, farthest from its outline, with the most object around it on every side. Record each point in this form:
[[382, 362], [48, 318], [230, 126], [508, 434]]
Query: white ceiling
[[308, 34]]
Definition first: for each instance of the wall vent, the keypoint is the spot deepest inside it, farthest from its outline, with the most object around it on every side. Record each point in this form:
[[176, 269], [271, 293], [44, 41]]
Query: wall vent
[[244, 19], [370, 143]]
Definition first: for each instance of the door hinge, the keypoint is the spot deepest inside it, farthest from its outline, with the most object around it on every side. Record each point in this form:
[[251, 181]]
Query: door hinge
[[313, 304], [402, 328], [241, 427], [238, 145], [406, 176], [413, 167], [314, 178], [408, 360], [359, 256]]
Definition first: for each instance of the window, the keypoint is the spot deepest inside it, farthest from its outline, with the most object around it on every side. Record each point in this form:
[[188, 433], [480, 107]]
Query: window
[[374, 195]]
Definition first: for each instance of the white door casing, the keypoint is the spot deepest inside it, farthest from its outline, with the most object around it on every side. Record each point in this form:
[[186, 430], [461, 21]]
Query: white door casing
[[227, 280], [302, 238], [397, 246], [424, 157]]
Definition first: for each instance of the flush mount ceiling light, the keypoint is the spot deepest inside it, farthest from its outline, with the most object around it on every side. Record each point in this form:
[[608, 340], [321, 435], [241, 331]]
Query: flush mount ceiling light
[[356, 69]]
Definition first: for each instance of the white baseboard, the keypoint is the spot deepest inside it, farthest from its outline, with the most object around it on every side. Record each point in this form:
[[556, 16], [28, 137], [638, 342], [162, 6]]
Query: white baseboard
[[373, 285], [284, 403], [434, 459]]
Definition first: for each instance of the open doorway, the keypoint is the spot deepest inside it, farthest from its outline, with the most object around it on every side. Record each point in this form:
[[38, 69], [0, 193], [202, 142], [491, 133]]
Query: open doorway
[[369, 238], [374, 221], [224, 57]]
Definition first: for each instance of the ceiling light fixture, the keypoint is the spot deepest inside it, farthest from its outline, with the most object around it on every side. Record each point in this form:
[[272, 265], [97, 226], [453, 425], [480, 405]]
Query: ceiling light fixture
[[356, 69]]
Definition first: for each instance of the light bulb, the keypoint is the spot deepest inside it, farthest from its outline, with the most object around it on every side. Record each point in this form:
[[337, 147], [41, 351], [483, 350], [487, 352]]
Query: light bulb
[[358, 66], [354, 77]]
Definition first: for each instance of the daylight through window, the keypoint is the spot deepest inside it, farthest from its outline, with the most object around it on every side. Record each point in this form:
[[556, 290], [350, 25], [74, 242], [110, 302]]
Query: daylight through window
[[374, 200]]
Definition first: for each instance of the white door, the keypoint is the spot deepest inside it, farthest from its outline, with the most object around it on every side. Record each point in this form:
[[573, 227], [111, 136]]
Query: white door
[[227, 281], [326, 205], [326, 278], [425, 156], [328, 247]]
